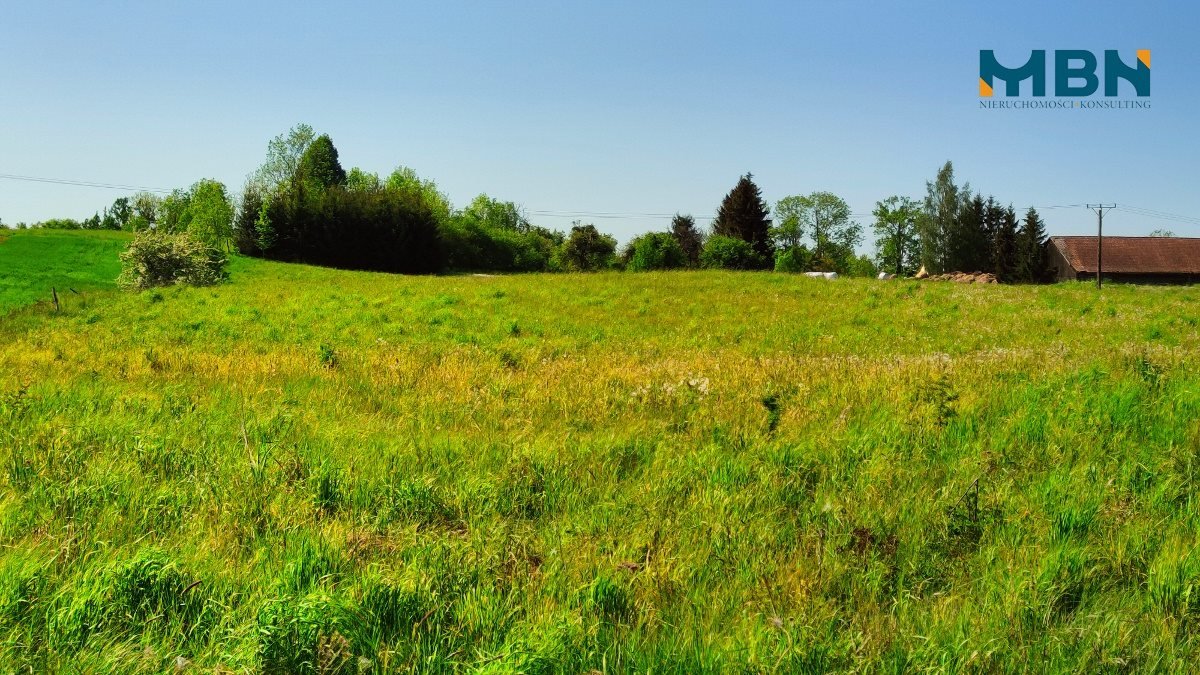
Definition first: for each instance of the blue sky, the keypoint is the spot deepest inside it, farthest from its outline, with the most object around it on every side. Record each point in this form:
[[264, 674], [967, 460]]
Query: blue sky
[[615, 107]]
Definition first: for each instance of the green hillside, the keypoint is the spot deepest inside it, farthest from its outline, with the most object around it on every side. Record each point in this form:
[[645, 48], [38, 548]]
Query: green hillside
[[34, 261], [310, 470]]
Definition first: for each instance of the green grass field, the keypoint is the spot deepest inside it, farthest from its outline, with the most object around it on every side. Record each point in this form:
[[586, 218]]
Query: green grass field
[[309, 470], [34, 261]]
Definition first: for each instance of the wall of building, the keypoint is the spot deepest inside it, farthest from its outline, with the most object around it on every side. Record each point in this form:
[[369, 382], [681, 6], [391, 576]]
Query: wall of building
[[1062, 269]]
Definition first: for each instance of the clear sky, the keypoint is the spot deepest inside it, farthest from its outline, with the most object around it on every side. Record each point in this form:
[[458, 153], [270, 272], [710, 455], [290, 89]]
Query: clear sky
[[613, 107]]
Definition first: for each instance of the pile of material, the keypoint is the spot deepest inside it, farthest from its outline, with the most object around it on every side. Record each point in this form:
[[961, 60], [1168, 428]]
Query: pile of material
[[966, 277], [959, 277]]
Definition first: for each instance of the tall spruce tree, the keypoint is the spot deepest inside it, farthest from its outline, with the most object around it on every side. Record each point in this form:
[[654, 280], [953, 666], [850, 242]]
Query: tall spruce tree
[[744, 215], [993, 216], [683, 228], [1004, 245], [1031, 249], [972, 247]]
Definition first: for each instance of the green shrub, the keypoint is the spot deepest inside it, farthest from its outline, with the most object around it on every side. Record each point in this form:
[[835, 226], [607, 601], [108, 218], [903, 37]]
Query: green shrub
[[154, 259], [471, 244], [655, 251], [794, 259], [60, 224], [862, 266], [729, 253]]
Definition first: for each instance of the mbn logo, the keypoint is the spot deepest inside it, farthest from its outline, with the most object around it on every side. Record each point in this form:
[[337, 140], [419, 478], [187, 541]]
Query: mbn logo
[[1074, 73]]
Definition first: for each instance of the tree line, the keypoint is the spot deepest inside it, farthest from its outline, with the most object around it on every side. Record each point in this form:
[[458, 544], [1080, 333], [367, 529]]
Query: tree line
[[301, 205]]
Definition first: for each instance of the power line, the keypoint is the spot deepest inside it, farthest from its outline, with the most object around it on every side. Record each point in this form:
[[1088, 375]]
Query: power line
[[607, 215], [1161, 215], [83, 183]]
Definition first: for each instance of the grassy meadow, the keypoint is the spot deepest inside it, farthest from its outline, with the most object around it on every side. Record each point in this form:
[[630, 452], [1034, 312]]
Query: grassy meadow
[[34, 261], [311, 470]]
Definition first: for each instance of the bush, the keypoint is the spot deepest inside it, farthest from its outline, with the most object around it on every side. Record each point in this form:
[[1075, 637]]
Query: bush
[[60, 224], [729, 253], [471, 244], [794, 259], [154, 259], [655, 251]]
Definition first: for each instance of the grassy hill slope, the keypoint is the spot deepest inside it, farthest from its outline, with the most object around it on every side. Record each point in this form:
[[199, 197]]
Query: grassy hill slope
[[308, 469], [34, 261]]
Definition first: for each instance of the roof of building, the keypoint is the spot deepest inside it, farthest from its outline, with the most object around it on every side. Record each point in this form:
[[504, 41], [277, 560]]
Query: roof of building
[[1133, 255]]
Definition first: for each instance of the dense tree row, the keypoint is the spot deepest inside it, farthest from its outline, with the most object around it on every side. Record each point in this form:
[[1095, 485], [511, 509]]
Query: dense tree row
[[956, 229], [302, 205]]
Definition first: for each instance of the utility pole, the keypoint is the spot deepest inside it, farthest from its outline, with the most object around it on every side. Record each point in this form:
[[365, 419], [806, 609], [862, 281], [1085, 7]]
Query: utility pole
[[1100, 209]]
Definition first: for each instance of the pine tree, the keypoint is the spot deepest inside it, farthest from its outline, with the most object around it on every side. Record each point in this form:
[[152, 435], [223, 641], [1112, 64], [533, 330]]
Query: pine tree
[[743, 215], [1031, 249], [1004, 244], [320, 166], [683, 228]]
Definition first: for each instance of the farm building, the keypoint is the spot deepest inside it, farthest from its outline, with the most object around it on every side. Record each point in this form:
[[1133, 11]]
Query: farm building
[[1154, 260]]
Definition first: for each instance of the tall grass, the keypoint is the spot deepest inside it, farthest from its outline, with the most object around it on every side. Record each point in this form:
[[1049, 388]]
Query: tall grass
[[306, 470]]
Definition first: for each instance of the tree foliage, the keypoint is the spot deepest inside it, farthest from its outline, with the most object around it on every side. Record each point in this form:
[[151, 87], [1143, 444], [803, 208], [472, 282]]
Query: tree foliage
[[790, 217], [497, 214], [969, 247], [319, 166], [406, 181], [388, 230], [283, 158], [146, 205], [730, 253], [744, 215], [171, 211], [1032, 265], [586, 249], [897, 248], [209, 214], [245, 222], [1004, 245], [358, 180], [683, 228], [793, 259], [937, 228], [655, 251]]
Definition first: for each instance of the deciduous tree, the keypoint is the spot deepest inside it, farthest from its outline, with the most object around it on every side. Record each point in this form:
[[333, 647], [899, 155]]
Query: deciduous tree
[[897, 248], [406, 180], [283, 158], [209, 214], [586, 249], [937, 227]]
